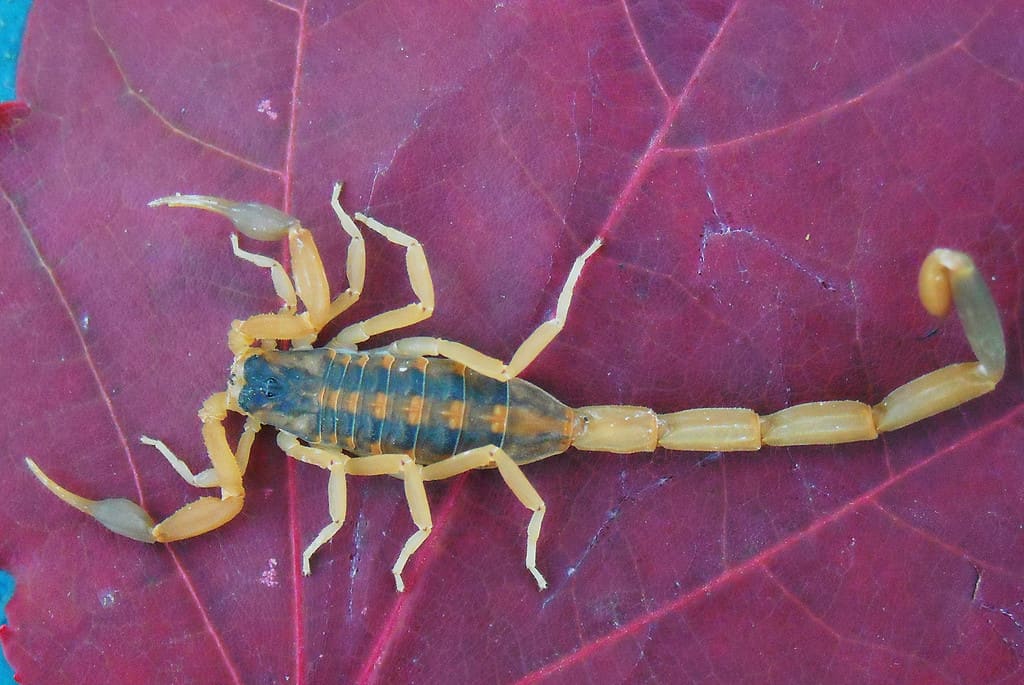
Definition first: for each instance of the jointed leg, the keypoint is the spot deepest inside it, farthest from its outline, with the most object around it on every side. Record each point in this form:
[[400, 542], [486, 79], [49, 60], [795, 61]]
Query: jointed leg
[[416, 496], [341, 465], [528, 350], [946, 276], [355, 262], [335, 462], [313, 289], [266, 223], [309, 274], [282, 283], [200, 516], [410, 472], [419, 279], [514, 479]]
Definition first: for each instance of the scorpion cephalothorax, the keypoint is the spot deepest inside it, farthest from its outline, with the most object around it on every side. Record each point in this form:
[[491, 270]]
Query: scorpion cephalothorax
[[425, 409]]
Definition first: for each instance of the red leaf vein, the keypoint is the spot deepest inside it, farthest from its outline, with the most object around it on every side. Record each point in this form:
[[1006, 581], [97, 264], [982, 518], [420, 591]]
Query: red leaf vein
[[144, 101]]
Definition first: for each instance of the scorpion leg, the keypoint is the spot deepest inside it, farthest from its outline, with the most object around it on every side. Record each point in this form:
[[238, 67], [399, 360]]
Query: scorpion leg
[[200, 516], [523, 356], [419, 279], [355, 262], [416, 496], [282, 283], [311, 277], [340, 465], [402, 466], [337, 494], [946, 277], [514, 478]]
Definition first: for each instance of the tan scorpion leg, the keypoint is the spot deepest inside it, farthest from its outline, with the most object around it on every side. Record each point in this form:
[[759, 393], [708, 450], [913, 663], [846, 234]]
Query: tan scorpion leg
[[523, 356], [334, 461], [946, 277], [200, 516], [516, 481], [419, 278], [340, 465], [411, 473]]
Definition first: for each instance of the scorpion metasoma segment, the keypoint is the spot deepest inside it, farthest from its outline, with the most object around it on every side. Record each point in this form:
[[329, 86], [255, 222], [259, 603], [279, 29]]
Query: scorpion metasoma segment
[[424, 409]]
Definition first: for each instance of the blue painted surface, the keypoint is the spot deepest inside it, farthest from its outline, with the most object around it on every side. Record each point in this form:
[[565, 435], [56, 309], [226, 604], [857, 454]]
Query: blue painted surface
[[13, 14], [6, 591], [12, 25]]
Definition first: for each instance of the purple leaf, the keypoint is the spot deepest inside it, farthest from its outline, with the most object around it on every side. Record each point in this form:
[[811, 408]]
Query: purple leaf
[[767, 176]]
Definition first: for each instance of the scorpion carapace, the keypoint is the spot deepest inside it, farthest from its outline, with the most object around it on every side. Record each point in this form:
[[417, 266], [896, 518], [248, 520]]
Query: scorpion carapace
[[425, 409]]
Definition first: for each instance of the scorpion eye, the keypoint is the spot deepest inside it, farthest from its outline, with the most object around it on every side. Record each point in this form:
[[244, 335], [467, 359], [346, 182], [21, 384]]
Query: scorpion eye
[[271, 387]]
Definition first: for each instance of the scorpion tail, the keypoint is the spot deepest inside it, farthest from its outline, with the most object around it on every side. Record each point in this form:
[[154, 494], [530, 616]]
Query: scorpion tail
[[947, 277]]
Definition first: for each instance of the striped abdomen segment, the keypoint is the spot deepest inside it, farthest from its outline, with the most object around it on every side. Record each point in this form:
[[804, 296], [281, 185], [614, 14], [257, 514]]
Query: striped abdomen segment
[[431, 409]]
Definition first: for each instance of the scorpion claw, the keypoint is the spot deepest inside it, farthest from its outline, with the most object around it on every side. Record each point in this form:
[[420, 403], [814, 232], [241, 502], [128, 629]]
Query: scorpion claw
[[122, 516], [255, 220]]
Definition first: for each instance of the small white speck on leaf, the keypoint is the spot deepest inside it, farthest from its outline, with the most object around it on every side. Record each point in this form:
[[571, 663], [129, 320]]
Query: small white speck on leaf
[[269, 577], [265, 108], [108, 598]]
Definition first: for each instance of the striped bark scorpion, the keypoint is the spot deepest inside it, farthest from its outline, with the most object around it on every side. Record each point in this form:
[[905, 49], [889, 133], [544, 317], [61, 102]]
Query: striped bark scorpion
[[424, 409]]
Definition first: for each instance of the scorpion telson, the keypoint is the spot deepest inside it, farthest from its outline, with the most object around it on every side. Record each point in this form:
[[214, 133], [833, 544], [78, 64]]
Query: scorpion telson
[[425, 409]]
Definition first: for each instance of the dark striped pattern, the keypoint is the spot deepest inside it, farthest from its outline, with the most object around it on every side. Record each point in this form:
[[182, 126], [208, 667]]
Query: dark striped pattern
[[444, 407], [429, 408]]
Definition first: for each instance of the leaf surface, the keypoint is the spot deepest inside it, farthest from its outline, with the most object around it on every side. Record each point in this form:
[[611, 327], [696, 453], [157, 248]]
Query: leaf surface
[[767, 177]]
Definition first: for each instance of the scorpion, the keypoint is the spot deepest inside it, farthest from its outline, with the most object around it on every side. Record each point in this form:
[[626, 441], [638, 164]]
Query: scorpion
[[424, 408]]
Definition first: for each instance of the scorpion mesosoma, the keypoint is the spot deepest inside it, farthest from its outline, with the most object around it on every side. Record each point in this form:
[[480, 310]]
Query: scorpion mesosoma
[[425, 409]]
